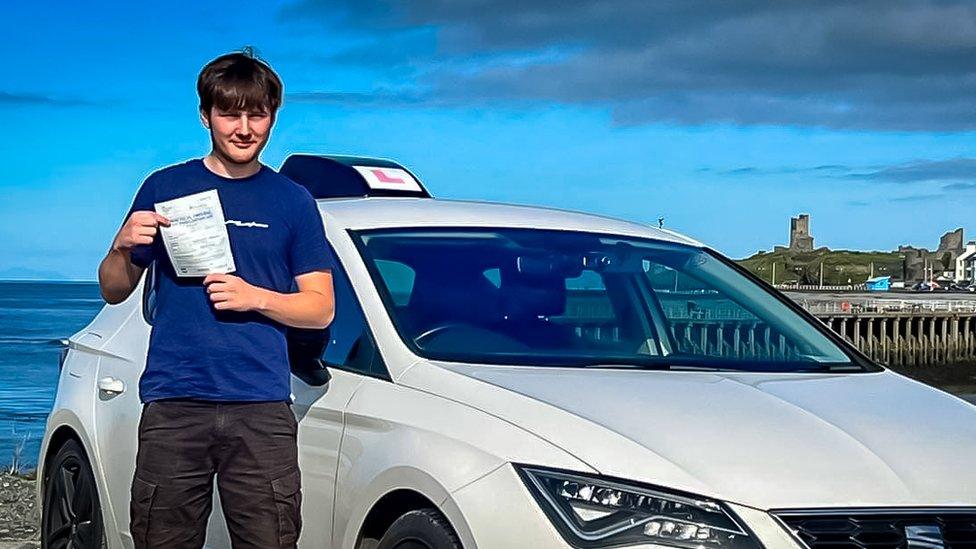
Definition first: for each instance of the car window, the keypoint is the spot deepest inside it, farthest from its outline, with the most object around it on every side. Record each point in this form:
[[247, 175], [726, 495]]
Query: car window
[[149, 294], [588, 310], [705, 321], [565, 298], [350, 344], [399, 278], [494, 275]]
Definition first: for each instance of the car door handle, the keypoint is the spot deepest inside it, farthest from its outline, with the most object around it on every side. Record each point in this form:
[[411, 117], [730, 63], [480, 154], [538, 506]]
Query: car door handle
[[111, 385]]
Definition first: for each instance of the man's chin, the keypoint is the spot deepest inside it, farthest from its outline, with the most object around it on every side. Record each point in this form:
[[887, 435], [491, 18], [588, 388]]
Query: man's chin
[[241, 157]]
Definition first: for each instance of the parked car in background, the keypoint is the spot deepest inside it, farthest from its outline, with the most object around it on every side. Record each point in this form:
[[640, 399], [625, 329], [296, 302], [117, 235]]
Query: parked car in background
[[502, 376], [962, 286], [928, 286]]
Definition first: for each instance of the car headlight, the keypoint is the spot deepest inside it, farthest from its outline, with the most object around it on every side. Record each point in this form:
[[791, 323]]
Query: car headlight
[[593, 511]]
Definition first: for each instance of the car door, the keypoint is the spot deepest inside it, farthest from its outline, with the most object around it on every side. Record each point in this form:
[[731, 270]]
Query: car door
[[118, 411], [350, 356], [116, 404]]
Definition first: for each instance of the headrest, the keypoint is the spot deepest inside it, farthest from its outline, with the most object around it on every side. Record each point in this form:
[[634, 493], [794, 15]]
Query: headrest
[[436, 298], [531, 296]]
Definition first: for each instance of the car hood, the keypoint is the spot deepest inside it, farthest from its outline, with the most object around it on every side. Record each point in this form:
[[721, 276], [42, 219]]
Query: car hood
[[764, 440]]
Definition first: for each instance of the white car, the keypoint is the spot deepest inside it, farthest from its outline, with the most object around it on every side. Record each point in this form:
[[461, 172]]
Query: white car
[[501, 376]]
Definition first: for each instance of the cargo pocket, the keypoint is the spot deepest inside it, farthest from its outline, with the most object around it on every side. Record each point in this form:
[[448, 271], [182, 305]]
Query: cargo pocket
[[140, 508], [288, 502]]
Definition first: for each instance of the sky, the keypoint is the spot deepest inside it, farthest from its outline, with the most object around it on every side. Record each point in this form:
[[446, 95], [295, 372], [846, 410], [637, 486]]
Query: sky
[[724, 118]]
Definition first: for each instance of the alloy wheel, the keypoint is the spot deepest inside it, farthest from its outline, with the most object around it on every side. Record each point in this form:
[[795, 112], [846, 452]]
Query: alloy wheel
[[71, 516]]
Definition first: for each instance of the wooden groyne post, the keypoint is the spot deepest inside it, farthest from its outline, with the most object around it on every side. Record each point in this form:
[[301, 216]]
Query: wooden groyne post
[[909, 338]]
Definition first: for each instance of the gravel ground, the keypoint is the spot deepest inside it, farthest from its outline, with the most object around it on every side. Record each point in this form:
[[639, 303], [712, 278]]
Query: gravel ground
[[19, 518]]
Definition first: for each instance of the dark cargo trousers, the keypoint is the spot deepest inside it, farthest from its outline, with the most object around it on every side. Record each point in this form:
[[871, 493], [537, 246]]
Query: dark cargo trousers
[[251, 449]]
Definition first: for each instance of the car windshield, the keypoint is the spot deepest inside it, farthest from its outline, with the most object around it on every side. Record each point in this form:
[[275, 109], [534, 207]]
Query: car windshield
[[561, 298]]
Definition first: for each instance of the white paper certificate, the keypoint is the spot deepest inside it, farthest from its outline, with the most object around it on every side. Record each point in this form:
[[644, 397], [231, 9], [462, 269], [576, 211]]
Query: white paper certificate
[[196, 240]]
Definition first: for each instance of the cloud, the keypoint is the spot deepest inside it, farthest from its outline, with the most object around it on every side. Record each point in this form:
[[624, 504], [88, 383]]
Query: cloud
[[959, 172], [953, 169], [825, 170], [378, 98], [7, 98], [960, 186], [860, 64], [917, 198]]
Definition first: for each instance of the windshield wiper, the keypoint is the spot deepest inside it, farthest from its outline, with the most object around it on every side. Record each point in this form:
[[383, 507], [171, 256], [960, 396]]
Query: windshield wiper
[[693, 368], [679, 363], [832, 367], [661, 366], [606, 365]]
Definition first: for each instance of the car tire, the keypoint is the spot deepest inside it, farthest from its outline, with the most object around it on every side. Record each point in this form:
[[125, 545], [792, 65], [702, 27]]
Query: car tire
[[421, 529], [71, 514]]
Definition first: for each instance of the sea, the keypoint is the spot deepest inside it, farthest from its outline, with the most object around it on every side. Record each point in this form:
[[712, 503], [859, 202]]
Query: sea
[[34, 318]]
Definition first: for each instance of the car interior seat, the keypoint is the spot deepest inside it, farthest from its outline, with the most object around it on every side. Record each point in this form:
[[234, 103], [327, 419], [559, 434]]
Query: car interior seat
[[528, 302]]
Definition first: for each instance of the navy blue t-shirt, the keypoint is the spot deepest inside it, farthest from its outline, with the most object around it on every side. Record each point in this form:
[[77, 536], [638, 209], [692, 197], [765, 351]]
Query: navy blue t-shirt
[[195, 351]]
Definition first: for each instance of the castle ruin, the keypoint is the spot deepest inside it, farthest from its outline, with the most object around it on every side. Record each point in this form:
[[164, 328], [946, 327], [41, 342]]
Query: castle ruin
[[800, 239], [951, 246]]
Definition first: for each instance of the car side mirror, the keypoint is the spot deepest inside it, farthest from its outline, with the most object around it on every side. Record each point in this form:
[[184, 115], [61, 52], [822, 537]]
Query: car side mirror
[[314, 373], [304, 351]]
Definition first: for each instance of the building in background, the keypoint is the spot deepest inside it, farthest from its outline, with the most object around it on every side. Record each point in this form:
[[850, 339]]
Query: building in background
[[878, 284], [801, 263], [966, 264], [800, 238], [922, 264]]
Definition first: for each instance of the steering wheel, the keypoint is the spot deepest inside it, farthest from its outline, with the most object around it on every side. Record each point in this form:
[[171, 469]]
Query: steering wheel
[[429, 333]]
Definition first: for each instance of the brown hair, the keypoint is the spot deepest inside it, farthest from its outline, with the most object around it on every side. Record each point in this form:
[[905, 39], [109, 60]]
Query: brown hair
[[239, 81]]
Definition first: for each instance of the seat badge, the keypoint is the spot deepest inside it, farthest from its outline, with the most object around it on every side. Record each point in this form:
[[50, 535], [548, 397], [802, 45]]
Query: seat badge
[[924, 536]]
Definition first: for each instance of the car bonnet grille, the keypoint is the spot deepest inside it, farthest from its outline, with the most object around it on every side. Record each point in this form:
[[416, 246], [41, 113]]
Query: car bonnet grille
[[883, 529]]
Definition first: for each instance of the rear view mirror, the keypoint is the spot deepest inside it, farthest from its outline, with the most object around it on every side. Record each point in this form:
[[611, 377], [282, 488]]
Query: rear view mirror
[[548, 266], [623, 258]]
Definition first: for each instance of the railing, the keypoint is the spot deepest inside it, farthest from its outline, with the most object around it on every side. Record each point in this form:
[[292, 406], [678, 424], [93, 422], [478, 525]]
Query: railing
[[817, 288], [886, 306], [900, 332]]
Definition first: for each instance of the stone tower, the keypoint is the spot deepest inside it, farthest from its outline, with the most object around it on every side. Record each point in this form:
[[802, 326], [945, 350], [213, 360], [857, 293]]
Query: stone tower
[[953, 242], [800, 239]]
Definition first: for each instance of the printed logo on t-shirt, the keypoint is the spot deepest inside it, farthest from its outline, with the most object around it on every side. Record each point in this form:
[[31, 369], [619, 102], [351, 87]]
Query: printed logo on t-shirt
[[253, 224]]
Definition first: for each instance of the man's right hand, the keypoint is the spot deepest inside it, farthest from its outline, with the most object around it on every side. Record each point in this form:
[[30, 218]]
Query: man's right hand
[[139, 229], [117, 276]]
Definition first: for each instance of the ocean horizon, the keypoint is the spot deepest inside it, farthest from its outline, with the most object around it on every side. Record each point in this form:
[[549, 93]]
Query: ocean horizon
[[35, 316]]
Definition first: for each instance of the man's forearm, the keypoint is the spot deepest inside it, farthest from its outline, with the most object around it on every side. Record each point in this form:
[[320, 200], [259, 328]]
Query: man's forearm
[[117, 276], [303, 309]]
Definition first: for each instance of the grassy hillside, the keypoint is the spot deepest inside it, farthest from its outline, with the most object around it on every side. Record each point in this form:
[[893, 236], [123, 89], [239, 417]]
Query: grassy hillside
[[838, 266]]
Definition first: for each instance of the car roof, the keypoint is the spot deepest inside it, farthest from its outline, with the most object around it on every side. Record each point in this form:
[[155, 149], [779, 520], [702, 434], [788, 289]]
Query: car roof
[[384, 212]]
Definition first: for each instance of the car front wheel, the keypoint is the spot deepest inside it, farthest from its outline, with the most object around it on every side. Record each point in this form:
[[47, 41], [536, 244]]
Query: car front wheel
[[422, 529], [71, 515]]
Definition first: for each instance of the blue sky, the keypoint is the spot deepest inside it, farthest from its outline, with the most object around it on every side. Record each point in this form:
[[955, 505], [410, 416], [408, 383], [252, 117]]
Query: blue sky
[[725, 120]]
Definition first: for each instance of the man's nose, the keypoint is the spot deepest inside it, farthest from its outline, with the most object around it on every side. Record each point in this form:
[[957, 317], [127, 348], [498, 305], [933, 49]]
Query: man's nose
[[244, 127]]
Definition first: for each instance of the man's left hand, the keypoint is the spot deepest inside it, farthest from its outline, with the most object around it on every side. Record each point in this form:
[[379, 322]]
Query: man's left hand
[[232, 293]]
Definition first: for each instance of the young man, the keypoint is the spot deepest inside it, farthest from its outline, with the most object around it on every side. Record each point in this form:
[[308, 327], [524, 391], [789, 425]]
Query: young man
[[216, 389]]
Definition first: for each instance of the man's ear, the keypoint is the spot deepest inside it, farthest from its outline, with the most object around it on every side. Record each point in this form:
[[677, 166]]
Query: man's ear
[[205, 119]]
